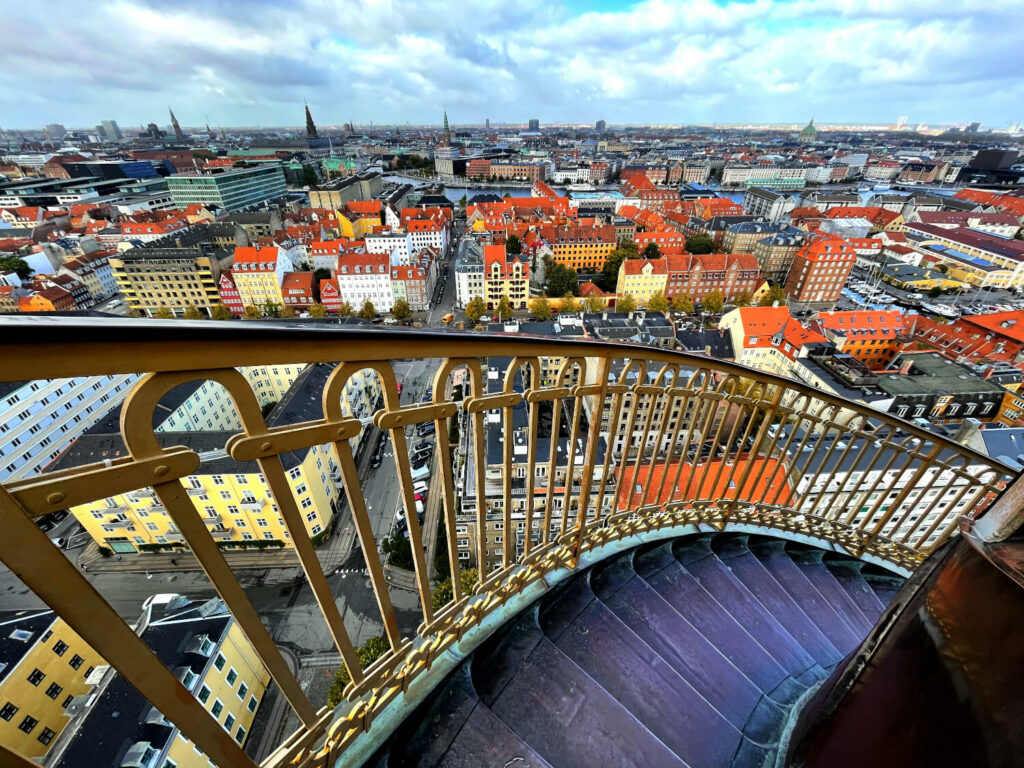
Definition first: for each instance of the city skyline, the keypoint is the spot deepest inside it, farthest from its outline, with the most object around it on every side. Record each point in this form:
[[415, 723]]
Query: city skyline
[[702, 62]]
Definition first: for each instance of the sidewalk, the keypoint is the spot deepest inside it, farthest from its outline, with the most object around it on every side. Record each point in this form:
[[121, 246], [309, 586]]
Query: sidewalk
[[331, 554]]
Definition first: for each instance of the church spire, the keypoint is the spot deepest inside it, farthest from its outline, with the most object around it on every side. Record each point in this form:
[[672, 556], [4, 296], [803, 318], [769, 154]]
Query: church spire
[[446, 134], [178, 135], [310, 125]]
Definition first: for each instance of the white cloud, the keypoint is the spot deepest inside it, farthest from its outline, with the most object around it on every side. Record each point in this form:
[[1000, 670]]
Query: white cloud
[[249, 61]]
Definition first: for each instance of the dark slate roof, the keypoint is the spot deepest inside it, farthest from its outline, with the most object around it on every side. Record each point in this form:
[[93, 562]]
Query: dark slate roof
[[90, 448], [1005, 444], [167, 405], [484, 197], [116, 719], [541, 328], [302, 402], [8, 387], [699, 341], [12, 649]]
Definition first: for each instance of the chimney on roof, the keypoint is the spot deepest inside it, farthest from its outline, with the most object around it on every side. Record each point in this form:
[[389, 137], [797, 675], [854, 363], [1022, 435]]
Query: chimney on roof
[[987, 373]]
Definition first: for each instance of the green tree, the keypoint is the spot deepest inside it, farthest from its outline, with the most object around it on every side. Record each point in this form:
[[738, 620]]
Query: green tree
[[346, 310], [652, 251], [625, 303], [713, 302], [700, 244], [568, 305], [657, 303], [309, 177], [163, 313], [504, 307], [16, 265], [594, 304], [191, 313], [444, 592], [561, 280], [317, 309], [220, 312], [272, 309], [775, 294], [401, 310], [935, 292], [321, 274], [367, 653], [683, 302], [368, 311], [463, 201], [475, 309], [612, 262], [513, 245], [540, 309], [743, 299], [286, 312], [251, 313], [398, 551]]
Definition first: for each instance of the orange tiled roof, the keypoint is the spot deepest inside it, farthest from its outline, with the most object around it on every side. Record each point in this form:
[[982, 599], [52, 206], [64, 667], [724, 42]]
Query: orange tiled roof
[[255, 255]]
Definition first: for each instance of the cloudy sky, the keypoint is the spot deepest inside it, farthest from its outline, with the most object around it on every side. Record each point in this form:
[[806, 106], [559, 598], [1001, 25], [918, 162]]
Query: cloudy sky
[[253, 62]]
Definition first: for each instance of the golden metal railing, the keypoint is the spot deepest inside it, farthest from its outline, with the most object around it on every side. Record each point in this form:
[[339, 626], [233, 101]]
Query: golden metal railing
[[703, 442]]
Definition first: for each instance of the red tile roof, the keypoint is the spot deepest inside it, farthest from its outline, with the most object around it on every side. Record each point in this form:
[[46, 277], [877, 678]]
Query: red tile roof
[[266, 256]]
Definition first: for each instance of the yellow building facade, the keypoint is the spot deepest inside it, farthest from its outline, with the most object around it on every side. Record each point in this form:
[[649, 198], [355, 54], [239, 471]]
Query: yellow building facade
[[232, 497], [236, 506], [258, 274], [166, 278], [205, 649], [48, 665], [641, 279], [231, 689]]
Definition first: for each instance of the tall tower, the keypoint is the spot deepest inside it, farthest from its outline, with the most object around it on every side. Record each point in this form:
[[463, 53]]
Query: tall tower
[[310, 125], [178, 135], [446, 134]]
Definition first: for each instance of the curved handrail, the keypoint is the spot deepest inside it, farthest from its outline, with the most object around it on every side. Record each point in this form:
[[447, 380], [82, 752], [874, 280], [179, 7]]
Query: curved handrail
[[698, 441]]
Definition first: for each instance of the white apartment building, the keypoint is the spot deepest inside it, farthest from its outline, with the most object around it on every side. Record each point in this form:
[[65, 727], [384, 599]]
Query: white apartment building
[[425, 233], [365, 276], [39, 419], [820, 174], [469, 272], [395, 245]]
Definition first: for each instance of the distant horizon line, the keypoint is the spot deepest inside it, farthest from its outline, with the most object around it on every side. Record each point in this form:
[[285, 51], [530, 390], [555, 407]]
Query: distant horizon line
[[556, 124]]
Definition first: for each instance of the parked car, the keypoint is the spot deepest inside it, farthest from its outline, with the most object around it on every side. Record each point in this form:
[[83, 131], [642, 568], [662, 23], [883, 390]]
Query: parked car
[[45, 525]]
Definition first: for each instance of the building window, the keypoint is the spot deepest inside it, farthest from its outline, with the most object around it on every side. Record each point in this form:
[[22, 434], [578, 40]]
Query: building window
[[232, 676], [204, 694], [67, 701], [220, 662], [229, 722], [8, 710], [240, 734], [28, 724], [46, 736], [54, 691], [60, 648], [36, 676], [217, 708], [253, 703], [76, 661]]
